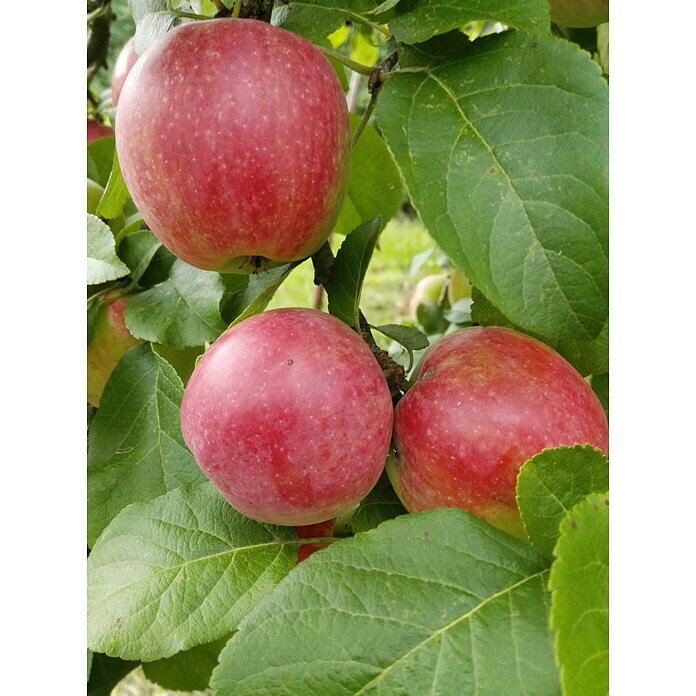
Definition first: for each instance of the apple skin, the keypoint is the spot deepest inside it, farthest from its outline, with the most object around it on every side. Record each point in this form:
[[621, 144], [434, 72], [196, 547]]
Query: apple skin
[[579, 13], [485, 400], [313, 531], [428, 289], [110, 341], [289, 415], [458, 287], [97, 130], [234, 141], [125, 61]]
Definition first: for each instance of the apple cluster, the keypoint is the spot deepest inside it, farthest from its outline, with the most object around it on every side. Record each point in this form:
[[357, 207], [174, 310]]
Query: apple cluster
[[234, 141]]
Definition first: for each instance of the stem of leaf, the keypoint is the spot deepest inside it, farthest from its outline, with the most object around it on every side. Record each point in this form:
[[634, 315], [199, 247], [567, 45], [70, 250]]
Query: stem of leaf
[[353, 65], [186, 15], [363, 20], [365, 118]]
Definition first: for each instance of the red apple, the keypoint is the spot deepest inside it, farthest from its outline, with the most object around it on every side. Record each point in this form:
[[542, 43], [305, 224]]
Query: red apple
[[234, 142], [313, 531], [485, 400], [579, 13], [97, 130], [125, 61], [289, 415], [110, 340]]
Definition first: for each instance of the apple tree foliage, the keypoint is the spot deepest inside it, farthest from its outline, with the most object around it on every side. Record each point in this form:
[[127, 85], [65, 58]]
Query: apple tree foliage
[[491, 123]]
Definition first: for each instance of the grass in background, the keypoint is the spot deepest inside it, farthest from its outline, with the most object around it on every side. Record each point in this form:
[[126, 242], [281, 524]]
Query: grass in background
[[387, 285]]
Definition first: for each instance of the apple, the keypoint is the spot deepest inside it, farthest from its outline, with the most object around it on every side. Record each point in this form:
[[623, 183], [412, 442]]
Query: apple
[[579, 13], [313, 531], [110, 341], [97, 130], [289, 415], [125, 61], [428, 289], [485, 400], [234, 142], [458, 287]]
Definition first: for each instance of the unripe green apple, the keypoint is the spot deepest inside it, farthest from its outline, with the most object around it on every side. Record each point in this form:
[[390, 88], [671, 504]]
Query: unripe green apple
[[579, 13], [458, 286], [428, 289]]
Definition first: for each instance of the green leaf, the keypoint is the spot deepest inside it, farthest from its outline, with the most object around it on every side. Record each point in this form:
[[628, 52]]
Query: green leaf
[[259, 292], [579, 583], [313, 19], [348, 274], [459, 312], [159, 269], [600, 386], [92, 313], [419, 20], [551, 482], [587, 357], [106, 672], [100, 158], [179, 571], [374, 186], [115, 195], [379, 505], [153, 18], [135, 448], [436, 602], [137, 251], [407, 336], [102, 262], [502, 143], [182, 312], [234, 283], [189, 670]]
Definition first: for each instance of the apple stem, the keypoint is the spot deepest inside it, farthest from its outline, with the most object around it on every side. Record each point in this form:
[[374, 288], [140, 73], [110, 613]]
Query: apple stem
[[365, 118]]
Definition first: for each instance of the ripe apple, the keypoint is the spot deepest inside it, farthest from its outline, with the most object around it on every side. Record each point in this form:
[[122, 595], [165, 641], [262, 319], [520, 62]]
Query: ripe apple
[[289, 415], [234, 142], [485, 400], [97, 130], [579, 13], [313, 531], [110, 341], [125, 61]]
